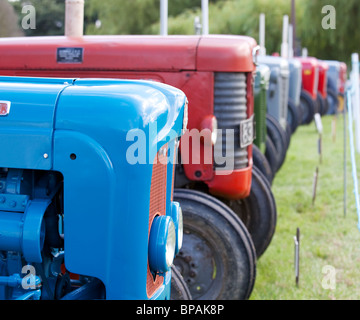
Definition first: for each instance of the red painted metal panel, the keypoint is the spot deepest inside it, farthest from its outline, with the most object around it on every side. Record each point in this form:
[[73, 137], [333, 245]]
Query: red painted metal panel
[[343, 77], [185, 62], [310, 75], [226, 54], [322, 85]]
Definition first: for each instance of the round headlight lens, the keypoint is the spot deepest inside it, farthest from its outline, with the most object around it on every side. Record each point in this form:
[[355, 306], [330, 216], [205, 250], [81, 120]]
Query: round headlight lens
[[180, 229], [170, 244], [177, 217], [162, 244]]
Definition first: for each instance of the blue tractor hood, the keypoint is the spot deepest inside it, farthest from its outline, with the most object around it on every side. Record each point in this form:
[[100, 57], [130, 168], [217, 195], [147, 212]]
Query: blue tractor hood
[[39, 106], [84, 129]]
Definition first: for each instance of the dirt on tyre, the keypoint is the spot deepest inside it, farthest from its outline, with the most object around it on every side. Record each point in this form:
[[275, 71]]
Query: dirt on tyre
[[217, 259]]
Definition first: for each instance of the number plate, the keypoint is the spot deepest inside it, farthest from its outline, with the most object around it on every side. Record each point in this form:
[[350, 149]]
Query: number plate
[[246, 132]]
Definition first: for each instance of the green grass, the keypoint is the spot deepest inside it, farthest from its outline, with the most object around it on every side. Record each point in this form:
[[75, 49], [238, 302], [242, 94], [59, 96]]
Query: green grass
[[327, 236]]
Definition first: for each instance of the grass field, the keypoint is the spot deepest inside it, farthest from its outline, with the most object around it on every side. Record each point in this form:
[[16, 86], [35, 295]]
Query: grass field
[[328, 238]]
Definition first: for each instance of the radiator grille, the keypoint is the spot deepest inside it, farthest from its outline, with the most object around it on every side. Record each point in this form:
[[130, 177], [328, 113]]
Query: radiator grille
[[157, 207], [230, 107]]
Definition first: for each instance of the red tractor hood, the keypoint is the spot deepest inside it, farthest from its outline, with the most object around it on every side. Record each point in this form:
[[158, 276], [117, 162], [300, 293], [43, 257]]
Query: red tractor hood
[[223, 53]]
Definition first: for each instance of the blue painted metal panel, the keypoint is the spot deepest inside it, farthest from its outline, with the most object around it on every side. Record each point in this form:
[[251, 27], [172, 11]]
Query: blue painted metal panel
[[26, 132], [92, 122], [82, 127]]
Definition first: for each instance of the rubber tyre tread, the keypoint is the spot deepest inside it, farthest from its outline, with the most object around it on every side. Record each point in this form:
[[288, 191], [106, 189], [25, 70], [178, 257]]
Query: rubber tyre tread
[[258, 212], [308, 107], [332, 109], [278, 137], [260, 161], [320, 103], [271, 155], [293, 120]]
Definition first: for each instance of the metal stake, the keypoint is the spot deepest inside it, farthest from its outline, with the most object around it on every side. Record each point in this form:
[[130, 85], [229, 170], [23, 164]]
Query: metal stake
[[297, 256], [315, 184], [320, 148]]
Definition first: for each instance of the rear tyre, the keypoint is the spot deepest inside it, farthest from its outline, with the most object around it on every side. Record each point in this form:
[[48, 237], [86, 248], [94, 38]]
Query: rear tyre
[[278, 138], [308, 107], [288, 136], [293, 116], [257, 212], [320, 103], [217, 259], [271, 156], [179, 288], [262, 164], [333, 102]]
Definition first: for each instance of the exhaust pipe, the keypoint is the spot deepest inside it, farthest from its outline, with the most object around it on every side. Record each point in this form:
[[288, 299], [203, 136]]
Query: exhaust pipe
[[205, 16], [262, 51], [74, 18], [284, 44], [164, 17], [291, 42]]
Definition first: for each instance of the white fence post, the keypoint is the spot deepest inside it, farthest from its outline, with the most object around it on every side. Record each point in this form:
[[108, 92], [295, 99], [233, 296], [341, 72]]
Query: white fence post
[[356, 99]]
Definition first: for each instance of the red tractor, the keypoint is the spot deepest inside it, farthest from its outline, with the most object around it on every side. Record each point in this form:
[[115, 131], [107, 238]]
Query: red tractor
[[323, 106], [227, 203], [309, 92]]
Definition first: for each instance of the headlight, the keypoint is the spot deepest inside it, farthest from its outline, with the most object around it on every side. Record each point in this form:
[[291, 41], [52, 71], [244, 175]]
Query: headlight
[[162, 243], [176, 215], [170, 245]]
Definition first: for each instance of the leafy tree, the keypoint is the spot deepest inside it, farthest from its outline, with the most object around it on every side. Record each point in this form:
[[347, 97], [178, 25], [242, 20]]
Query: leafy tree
[[238, 17], [131, 17], [50, 16], [336, 43]]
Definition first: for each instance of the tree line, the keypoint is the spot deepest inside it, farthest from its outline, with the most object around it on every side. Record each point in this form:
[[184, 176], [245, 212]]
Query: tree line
[[225, 17]]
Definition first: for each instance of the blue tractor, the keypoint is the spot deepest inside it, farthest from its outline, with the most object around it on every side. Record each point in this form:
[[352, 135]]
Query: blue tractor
[[86, 187]]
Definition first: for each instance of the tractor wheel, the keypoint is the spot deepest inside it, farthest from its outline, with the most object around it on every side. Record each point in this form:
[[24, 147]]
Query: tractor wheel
[[278, 136], [217, 259], [293, 116], [179, 288], [288, 135], [262, 164], [333, 102], [320, 103], [257, 212], [308, 107], [271, 155]]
